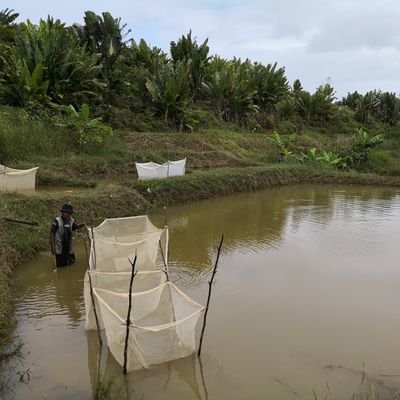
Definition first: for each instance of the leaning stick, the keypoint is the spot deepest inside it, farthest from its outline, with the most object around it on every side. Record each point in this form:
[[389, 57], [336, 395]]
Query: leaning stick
[[128, 318], [21, 221], [94, 309], [209, 294]]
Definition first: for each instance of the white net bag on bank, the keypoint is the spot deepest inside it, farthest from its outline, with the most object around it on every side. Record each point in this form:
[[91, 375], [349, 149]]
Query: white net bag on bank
[[163, 319], [152, 170], [16, 180], [177, 168]]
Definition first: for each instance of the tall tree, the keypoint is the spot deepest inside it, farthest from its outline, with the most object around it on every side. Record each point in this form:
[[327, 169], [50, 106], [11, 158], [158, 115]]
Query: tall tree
[[105, 35], [47, 57], [271, 85], [187, 49]]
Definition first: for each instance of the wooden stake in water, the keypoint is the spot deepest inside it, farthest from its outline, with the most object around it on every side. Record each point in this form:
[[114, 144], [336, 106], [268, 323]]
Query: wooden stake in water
[[94, 247], [164, 261], [128, 318], [209, 294], [94, 309], [86, 249], [92, 294]]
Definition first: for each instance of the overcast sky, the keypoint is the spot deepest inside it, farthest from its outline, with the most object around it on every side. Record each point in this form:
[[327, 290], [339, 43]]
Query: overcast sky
[[353, 44]]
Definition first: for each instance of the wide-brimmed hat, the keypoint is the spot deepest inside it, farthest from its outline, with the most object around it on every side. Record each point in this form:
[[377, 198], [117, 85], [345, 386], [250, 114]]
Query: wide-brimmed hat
[[67, 208]]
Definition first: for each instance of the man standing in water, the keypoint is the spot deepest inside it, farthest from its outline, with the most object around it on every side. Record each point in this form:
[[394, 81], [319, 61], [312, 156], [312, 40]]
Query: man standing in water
[[61, 239]]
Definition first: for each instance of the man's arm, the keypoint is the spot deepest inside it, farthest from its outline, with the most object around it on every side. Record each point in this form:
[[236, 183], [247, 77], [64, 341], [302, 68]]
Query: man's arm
[[77, 226]]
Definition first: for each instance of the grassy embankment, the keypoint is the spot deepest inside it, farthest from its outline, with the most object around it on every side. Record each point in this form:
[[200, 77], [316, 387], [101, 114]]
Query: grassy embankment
[[219, 163]]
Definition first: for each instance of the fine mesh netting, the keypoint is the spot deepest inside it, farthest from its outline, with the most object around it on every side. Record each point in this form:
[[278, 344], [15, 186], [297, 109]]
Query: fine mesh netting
[[117, 240], [117, 283], [163, 319], [15, 180], [152, 170]]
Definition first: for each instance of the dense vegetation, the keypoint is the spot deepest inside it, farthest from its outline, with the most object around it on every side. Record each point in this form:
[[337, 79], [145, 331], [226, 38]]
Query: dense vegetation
[[77, 84]]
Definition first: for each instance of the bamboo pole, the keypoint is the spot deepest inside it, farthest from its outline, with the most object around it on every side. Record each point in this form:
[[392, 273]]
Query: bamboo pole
[[209, 294], [128, 318], [165, 216], [94, 309], [91, 292], [94, 246], [86, 249], [165, 263]]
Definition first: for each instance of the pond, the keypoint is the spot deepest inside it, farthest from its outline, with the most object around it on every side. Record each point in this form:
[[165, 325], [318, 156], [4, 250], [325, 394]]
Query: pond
[[306, 299]]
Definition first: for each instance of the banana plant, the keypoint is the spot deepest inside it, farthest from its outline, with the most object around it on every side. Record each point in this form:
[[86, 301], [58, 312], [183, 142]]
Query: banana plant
[[282, 142], [309, 156], [333, 159], [87, 132], [361, 145]]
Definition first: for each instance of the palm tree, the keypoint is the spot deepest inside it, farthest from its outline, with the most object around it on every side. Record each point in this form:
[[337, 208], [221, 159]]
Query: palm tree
[[231, 89], [315, 108], [271, 85], [8, 16], [187, 49], [171, 93], [48, 56], [104, 35]]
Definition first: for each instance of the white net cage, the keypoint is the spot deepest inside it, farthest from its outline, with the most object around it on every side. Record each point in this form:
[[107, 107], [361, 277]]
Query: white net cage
[[162, 328], [152, 170], [17, 180], [118, 240], [163, 319]]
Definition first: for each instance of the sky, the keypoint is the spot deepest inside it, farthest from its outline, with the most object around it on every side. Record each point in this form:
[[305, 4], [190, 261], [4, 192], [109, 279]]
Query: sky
[[352, 44]]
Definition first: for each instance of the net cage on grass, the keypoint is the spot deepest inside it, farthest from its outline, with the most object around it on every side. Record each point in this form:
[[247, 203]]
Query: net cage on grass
[[152, 170], [163, 318], [16, 180]]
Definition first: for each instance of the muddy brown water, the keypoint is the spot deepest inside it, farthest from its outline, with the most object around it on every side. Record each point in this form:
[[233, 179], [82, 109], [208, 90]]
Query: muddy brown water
[[306, 297]]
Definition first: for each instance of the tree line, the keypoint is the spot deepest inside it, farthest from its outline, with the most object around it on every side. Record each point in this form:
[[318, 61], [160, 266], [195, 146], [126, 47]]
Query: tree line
[[130, 84]]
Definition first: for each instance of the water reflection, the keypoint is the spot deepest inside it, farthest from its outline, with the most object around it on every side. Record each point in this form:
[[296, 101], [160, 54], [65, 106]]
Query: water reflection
[[306, 293], [163, 378], [260, 221], [44, 291]]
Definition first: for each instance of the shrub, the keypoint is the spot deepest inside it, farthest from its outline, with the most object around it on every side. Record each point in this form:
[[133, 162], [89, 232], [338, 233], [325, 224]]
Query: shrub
[[87, 133]]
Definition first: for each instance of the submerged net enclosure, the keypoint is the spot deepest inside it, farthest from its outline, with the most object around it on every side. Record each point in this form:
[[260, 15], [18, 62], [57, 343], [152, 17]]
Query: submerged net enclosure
[[162, 318], [152, 170], [16, 180]]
